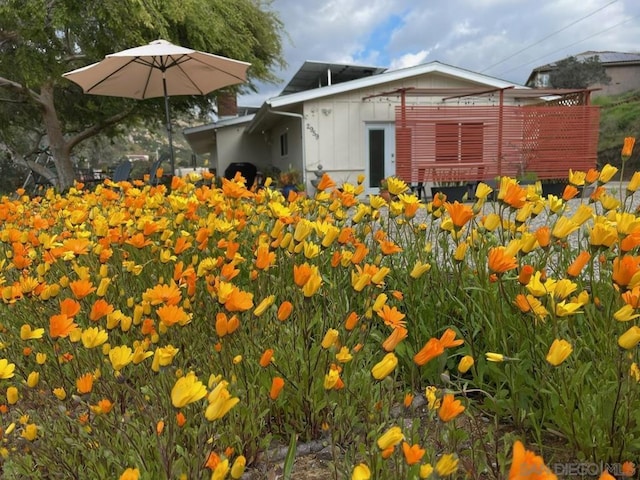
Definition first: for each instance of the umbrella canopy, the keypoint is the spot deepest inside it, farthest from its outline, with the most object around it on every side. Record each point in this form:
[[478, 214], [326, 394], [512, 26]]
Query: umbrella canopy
[[159, 69]]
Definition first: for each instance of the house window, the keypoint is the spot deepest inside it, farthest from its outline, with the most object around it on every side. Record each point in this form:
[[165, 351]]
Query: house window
[[284, 145], [542, 80]]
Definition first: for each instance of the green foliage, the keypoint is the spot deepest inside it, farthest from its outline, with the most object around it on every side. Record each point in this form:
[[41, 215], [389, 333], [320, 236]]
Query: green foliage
[[573, 73]]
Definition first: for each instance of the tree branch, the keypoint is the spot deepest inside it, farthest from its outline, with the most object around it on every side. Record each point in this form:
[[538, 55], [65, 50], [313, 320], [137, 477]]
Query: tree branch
[[97, 128]]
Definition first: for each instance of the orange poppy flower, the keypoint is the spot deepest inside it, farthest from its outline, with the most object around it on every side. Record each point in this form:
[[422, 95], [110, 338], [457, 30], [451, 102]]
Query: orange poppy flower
[[450, 408], [578, 264], [627, 147], [391, 316], [359, 254], [569, 192], [447, 340], [238, 301], [392, 341], [389, 248], [81, 288], [630, 242], [460, 213], [525, 274], [515, 196], [139, 241], [301, 274], [432, 349], [265, 359], [284, 311], [351, 321], [84, 384], [527, 465], [276, 387], [233, 189], [100, 308], [78, 246], [325, 182], [500, 262], [167, 294], [60, 326], [264, 258], [172, 314], [412, 453], [543, 236], [69, 307], [624, 269], [181, 245]]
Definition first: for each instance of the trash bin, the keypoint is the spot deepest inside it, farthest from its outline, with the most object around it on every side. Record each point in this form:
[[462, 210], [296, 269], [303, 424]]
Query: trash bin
[[246, 169]]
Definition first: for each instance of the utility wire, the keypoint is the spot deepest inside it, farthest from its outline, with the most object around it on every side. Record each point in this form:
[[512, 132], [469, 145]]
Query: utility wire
[[570, 45], [548, 36]]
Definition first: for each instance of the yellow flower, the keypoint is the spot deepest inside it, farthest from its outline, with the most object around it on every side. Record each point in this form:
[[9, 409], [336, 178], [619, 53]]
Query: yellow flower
[[163, 356], [447, 465], [220, 402], [396, 186], [361, 472], [634, 183], [433, 402], [577, 178], [630, 339], [30, 432], [120, 357], [221, 470], [465, 364], [94, 337], [187, 389], [607, 173], [237, 470], [564, 227], [564, 309], [130, 474], [419, 269], [385, 366], [494, 357], [33, 379], [330, 338], [26, 333], [59, 393], [426, 470], [6, 369], [12, 395], [626, 313], [264, 304], [390, 438], [344, 356], [558, 352], [460, 252], [483, 191]]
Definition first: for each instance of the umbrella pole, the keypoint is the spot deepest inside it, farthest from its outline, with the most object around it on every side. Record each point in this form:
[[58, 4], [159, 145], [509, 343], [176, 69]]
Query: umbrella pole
[[166, 108]]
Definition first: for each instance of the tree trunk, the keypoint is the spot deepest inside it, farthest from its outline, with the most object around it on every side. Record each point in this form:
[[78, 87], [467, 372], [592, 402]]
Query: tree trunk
[[59, 147]]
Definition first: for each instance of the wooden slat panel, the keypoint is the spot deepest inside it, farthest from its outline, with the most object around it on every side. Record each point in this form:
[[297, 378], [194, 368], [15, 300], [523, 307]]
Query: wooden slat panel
[[471, 143]]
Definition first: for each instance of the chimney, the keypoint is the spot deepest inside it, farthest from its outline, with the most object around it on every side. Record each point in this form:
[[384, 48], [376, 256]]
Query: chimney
[[227, 105]]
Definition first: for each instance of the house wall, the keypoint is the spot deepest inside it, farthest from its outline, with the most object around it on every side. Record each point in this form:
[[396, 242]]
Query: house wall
[[233, 145], [335, 133], [623, 79], [291, 126]]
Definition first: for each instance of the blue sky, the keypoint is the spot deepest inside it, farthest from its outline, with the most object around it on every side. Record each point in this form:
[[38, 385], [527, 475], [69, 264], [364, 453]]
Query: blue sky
[[502, 38]]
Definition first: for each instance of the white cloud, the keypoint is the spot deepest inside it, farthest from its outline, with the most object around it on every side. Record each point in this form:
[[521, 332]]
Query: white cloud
[[409, 60]]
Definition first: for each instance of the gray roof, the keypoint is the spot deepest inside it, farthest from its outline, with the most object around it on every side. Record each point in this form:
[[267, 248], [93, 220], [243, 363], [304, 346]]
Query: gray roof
[[605, 57], [321, 74]]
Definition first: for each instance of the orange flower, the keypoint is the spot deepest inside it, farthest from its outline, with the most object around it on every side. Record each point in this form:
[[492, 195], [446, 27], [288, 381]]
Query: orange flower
[[359, 254], [628, 469], [515, 196], [84, 384], [100, 309], [167, 294], [69, 307], [276, 387], [392, 341], [351, 321], [81, 288], [447, 340], [450, 408], [325, 182], [181, 245], [526, 465], [412, 453], [172, 314], [180, 419], [391, 316], [264, 258], [592, 175], [525, 274], [239, 301], [301, 274], [284, 311], [460, 213], [578, 264], [432, 349], [500, 261], [387, 247], [627, 147], [624, 269], [60, 326], [569, 192], [265, 359], [138, 240], [543, 235]]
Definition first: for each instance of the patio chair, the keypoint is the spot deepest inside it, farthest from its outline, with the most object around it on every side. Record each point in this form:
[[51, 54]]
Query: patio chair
[[153, 172], [122, 172]]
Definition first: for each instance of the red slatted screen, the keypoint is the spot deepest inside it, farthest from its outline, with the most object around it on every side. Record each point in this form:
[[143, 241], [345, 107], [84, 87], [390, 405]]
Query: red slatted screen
[[471, 143]]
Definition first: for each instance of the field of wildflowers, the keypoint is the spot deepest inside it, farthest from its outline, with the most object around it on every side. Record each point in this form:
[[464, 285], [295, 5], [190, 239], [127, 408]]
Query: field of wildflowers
[[188, 331]]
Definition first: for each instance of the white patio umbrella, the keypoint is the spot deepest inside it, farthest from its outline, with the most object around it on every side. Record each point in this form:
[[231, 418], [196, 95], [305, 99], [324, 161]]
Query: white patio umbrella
[[159, 69]]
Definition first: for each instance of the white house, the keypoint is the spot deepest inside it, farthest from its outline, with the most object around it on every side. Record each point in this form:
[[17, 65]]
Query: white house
[[343, 118]]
